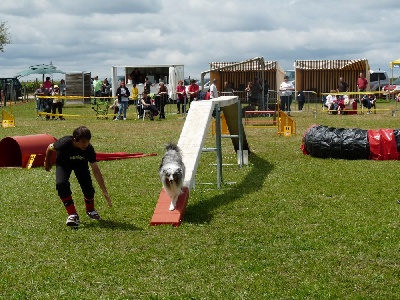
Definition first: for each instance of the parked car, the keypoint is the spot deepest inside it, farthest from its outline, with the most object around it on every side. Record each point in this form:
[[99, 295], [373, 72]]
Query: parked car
[[11, 88], [377, 80], [393, 87]]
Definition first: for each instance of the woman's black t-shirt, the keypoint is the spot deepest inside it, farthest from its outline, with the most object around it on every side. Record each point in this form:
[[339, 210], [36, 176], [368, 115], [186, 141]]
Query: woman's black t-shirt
[[70, 156]]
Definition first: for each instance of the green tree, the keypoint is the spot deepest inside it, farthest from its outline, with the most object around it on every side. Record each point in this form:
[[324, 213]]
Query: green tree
[[4, 37]]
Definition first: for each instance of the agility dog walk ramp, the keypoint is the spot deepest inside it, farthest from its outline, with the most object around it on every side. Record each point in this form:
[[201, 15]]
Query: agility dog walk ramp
[[191, 143]]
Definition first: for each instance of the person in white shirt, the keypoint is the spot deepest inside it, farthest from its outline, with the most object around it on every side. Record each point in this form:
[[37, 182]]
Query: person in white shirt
[[331, 100], [123, 100], [213, 90], [285, 90]]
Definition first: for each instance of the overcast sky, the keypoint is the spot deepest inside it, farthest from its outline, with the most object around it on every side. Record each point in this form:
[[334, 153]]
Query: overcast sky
[[93, 35]]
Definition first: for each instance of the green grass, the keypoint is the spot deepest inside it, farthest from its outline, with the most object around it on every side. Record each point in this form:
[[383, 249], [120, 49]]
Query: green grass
[[290, 226]]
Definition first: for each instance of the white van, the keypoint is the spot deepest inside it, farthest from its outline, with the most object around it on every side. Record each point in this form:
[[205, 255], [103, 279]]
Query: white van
[[169, 74], [377, 80]]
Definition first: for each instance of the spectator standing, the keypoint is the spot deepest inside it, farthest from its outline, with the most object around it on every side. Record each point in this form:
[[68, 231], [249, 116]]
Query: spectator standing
[[362, 83], [255, 93], [343, 87], [105, 88], [181, 92], [57, 103], [147, 85], [47, 84], [301, 99], [63, 90], [63, 87], [73, 154], [193, 91], [136, 76], [97, 85], [163, 93], [39, 101], [134, 94], [285, 90], [213, 89], [228, 88], [123, 98], [47, 102], [248, 92], [266, 95]]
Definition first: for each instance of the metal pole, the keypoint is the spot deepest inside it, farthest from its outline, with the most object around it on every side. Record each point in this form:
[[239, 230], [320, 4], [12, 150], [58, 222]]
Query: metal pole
[[218, 144], [240, 133]]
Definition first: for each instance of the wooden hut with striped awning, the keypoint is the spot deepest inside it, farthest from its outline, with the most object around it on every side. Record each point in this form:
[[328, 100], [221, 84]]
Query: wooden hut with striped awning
[[240, 73], [323, 75]]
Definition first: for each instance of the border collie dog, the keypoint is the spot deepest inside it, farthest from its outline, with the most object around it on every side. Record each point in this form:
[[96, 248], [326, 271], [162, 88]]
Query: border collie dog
[[172, 173]]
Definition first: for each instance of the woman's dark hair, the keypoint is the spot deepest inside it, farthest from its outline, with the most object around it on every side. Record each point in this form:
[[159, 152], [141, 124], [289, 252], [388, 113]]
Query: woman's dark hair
[[82, 132]]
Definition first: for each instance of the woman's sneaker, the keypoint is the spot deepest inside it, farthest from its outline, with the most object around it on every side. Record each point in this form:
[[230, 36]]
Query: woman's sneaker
[[93, 215], [73, 220]]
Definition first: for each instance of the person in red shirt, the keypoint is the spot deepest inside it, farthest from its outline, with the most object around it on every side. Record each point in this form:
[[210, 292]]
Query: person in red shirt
[[362, 83], [193, 91], [48, 85], [180, 91]]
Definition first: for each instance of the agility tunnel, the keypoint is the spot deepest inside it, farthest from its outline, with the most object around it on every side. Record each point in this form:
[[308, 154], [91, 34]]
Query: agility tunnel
[[17, 151], [29, 151], [351, 143]]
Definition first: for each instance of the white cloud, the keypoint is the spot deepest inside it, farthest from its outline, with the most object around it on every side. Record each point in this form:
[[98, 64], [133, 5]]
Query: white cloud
[[94, 35]]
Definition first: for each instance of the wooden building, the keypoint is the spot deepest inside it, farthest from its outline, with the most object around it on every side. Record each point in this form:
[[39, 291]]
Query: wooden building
[[79, 84], [238, 74], [321, 76]]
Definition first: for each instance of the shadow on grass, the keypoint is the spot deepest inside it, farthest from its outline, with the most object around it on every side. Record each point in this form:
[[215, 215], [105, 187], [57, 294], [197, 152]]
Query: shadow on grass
[[108, 224], [201, 212]]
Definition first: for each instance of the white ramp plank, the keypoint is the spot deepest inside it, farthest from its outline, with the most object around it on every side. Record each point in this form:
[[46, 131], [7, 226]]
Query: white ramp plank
[[194, 132]]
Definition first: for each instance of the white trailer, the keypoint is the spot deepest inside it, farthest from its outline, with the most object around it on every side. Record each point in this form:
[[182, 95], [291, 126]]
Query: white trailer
[[169, 74]]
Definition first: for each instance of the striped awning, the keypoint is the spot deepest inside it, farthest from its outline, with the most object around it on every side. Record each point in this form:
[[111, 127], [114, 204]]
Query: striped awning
[[346, 64], [254, 64]]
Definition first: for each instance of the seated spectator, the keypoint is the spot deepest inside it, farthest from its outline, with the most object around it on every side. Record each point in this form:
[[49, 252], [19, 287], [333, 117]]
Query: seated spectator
[[331, 100], [368, 101], [147, 105], [339, 105], [115, 108]]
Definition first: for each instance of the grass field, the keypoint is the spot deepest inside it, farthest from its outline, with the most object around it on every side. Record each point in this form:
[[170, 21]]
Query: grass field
[[287, 226]]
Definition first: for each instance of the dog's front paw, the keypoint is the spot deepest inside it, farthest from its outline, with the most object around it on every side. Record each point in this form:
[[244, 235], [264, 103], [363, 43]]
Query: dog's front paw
[[171, 206]]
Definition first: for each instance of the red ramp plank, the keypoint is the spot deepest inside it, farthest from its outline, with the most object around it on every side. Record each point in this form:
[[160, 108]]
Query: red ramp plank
[[162, 214]]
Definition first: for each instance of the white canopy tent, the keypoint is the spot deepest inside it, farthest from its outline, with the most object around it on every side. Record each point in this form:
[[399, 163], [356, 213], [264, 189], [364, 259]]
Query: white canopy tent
[[392, 65]]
